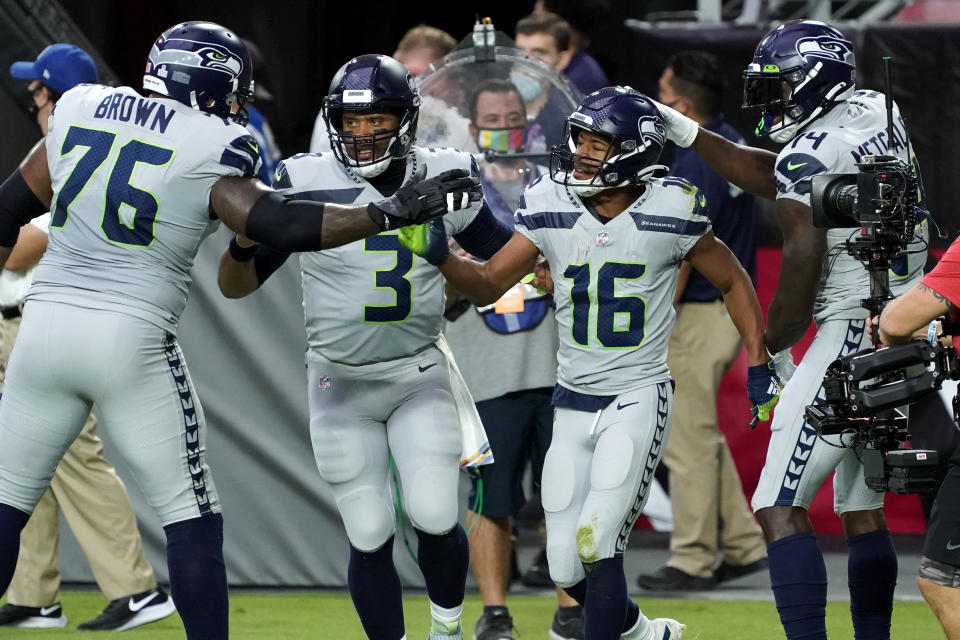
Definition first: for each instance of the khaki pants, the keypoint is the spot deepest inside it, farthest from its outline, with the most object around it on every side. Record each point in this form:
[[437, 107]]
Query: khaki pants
[[99, 513], [710, 512]]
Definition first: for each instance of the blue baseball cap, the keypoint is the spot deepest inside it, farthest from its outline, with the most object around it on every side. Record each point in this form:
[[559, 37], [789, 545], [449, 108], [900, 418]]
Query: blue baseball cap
[[60, 66]]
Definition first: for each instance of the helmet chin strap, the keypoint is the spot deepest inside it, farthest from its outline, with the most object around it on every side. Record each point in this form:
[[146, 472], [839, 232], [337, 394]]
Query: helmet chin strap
[[587, 188]]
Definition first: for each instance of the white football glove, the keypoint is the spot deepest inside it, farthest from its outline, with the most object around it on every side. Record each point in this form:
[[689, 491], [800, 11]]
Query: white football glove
[[783, 364], [681, 130]]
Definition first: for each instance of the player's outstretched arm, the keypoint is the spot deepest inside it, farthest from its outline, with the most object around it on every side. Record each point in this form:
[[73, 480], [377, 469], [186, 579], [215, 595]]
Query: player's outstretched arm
[[24, 195], [258, 212], [804, 246], [716, 262], [749, 168], [485, 282]]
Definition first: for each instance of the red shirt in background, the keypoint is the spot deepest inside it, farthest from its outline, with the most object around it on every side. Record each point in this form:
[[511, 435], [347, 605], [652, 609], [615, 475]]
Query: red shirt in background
[[945, 280]]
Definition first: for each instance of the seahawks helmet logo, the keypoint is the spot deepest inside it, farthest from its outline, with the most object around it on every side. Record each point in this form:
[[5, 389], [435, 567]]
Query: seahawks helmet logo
[[651, 129], [217, 58], [823, 47], [207, 57]]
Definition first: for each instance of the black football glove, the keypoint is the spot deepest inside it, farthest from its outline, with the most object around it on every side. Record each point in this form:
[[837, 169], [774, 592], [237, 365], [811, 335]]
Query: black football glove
[[425, 200]]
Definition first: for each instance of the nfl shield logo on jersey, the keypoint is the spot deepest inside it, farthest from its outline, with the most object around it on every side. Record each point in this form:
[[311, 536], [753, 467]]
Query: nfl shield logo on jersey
[[324, 383], [602, 238]]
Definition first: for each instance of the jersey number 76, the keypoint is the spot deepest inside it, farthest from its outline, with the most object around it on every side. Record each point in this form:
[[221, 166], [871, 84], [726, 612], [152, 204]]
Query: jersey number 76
[[120, 193]]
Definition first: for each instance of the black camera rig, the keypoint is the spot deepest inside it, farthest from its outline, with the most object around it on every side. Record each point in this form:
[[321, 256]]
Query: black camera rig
[[864, 392], [882, 198]]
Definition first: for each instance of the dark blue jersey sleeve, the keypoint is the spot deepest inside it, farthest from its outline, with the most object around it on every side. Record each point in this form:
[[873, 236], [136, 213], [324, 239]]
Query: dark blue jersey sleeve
[[484, 236]]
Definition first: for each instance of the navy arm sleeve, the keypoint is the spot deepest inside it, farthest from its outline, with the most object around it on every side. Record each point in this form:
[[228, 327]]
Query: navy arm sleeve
[[485, 235], [284, 223], [266, 261], [18, 206]]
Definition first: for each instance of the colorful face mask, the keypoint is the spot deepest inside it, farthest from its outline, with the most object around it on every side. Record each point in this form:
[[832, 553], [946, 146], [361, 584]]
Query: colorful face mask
[[508, 140]]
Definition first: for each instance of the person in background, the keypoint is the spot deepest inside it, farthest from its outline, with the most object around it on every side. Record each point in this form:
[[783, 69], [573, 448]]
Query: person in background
[[711, 517], [421, 46], [583, 71], [546, 37], [84, 486]]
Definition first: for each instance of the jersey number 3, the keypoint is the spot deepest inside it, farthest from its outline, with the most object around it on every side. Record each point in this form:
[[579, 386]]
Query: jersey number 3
[[395, 279], [629, 312], [136, 227]]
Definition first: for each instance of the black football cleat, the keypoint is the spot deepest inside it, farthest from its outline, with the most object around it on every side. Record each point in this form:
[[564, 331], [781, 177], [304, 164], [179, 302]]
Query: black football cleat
[[132, 611]]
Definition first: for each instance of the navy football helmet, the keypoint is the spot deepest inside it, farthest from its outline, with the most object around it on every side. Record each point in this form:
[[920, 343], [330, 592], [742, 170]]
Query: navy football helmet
[[799, 70], [204, 66], [372, 83], [634, 128]]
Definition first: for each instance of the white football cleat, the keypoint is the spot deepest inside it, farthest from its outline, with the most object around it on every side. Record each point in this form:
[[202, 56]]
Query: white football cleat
[[667, 629]]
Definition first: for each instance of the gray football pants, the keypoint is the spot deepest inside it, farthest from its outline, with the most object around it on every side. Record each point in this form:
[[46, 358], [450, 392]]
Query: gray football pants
[[67, 359], [362, 415], [594, 486]]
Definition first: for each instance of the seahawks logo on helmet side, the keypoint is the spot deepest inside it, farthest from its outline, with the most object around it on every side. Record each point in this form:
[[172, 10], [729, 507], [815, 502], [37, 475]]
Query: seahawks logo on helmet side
[[823, 47], [651, 127], [216, 58], [208, 57]]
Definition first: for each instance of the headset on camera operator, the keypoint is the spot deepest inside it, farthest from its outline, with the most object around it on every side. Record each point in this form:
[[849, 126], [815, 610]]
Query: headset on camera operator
[[917, 312]]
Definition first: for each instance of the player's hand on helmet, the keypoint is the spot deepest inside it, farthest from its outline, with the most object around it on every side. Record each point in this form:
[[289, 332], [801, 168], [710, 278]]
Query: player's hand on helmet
[[428, 240], [681, 130], [423, 200], [763, 389]]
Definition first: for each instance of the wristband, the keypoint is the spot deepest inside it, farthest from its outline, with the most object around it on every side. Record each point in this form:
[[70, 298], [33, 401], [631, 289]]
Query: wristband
[[241, 254], [932, 332]]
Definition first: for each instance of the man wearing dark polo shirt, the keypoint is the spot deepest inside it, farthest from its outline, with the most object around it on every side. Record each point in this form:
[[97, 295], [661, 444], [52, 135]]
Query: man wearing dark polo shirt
[[712, 519]]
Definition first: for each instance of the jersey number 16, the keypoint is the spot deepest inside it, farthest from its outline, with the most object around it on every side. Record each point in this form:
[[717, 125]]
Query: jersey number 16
[[629, 310]]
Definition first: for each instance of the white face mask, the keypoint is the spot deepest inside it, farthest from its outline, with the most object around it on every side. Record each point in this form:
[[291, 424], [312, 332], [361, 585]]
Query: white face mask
[[528, 87]]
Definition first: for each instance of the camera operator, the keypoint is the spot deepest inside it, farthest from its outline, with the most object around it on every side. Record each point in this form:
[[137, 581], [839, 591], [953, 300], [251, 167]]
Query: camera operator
[[907, 317], [802, 81]]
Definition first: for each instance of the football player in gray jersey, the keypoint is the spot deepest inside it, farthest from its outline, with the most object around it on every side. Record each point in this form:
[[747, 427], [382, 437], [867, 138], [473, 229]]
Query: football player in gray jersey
[[380, 383], [802, 81], [135, 185], [614, 235]]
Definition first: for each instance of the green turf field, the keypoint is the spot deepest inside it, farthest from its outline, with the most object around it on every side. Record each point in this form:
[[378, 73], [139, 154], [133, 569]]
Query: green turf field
[[326, 615]]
